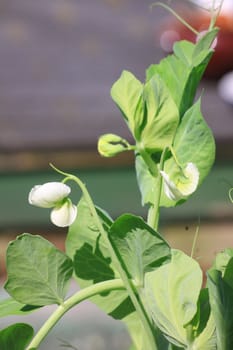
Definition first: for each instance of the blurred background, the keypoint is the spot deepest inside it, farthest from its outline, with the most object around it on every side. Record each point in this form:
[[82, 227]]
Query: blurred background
[[59, 59]]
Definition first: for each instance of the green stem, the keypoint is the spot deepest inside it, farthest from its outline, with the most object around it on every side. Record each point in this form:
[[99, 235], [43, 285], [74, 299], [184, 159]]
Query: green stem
[[153, 213], [138, 305], [71, 302], [214, 14], [195, 241], [148, 160]]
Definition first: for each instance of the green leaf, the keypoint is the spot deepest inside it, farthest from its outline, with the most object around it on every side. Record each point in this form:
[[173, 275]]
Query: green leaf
[[10, 306], [140, 248], [171, 294], [220, 284], [222, 259], [146, 181], [182, 71], [203, 324], [162, 116], [38, 273], [203, 44], [16, 336], [127, 94], [139, 336], [221, 300], [92, 262], [194, 142]]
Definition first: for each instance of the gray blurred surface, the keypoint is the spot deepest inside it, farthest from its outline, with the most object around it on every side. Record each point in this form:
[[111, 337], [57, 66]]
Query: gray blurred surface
[[84, 327], [58, 62], [59, 59]]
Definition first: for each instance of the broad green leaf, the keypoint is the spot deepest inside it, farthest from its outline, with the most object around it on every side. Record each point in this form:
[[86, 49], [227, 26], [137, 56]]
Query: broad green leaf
[[139, 336], [38, 273], [16, 336], [171, 294], [92, 262], [207, 339], [194, 142], [221, 301], [203, 44], [222, 259], [10, 306], [127, 94], [203, 324], [182, 71], [162, 116], [140, 248], [146, 181]]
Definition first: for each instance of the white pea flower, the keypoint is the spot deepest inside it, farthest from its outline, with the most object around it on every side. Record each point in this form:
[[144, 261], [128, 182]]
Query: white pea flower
[[54, 195], [64, 215], [185, 185]]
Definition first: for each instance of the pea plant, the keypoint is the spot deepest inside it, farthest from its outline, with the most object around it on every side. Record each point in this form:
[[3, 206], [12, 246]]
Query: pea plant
[[125, 266]]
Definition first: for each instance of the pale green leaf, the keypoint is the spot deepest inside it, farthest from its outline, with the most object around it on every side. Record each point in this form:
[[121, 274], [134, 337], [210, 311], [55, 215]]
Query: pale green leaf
[[139, 335], [182, 71], [127, 94], [162, 116], [203, 324], [146, 181], [38, 273], [10, 306], [171, 294], [194, 142]]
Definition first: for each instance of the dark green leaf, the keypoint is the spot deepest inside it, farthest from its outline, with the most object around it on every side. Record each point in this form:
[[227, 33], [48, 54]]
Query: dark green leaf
[[221, 301], [16, 336], [140, 248], [38, 273], [92, 262]]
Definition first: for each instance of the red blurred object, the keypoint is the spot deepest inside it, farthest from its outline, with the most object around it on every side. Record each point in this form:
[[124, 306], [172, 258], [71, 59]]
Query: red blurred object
[[222, 59]]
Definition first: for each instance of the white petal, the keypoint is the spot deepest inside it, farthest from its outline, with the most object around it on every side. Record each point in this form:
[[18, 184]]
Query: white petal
[[48, 195], [64, 215], [170, 188], [185, 185], [192, 174]]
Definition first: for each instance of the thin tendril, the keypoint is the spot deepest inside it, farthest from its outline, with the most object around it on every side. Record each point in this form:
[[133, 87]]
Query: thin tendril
[[230, 195], [195, 238], [174, 13]]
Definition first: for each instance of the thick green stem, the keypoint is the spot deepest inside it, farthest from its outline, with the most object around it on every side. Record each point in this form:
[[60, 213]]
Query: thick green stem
[[71, 302], [153, 213], [138, 305]]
